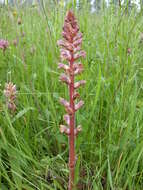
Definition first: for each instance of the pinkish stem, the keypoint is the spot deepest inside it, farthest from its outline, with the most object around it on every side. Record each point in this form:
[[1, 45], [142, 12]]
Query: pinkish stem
[[72, 126]]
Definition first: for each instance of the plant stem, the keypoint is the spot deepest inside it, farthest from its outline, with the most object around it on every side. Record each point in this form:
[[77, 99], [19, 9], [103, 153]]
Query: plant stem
[[72, 126]]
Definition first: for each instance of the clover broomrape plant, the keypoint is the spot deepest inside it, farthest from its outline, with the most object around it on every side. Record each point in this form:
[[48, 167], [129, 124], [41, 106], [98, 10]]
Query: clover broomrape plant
[[10, 93], [70, 52]]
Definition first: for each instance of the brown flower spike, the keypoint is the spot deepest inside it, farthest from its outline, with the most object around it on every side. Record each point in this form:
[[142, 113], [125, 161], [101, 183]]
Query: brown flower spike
[[10, 94], [70, 52]]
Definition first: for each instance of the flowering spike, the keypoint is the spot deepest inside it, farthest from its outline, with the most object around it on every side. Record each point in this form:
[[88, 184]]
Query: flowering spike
[[64, 78], [10, 94], [70, 51], [79, 105], [79, 83]]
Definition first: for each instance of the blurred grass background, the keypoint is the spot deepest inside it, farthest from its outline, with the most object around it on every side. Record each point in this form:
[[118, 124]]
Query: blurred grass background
[[33, 153]]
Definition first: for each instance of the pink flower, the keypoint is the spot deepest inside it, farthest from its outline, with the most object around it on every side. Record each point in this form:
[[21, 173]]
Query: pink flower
[[3, 44], [77, 130], [64, 78], [67, 119], [78, 68], [64, 129], [79, 83], [65, 55], [79, 105], [63, 66], [79, 55], [64, 102], [65, 44]]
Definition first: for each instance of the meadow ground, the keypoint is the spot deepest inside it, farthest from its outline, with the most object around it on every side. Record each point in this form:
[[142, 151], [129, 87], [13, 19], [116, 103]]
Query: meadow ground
[[33, 153]]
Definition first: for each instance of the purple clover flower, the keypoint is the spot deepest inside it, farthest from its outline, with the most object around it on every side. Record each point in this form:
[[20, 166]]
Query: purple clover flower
[[4, 44]]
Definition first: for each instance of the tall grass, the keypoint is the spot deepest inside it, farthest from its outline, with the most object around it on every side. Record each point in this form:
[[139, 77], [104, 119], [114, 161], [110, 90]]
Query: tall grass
[[33, 153]]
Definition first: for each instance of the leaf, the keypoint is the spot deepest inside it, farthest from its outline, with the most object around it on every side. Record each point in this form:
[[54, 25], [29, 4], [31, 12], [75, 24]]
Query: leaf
[[77, 170], [21, 113], [109, 174], [57, 185], [3, 187], [24, 186], [95, 100]]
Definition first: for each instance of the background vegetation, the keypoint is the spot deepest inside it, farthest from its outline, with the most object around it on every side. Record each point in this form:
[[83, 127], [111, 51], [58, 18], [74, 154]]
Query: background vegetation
[[33, 153]]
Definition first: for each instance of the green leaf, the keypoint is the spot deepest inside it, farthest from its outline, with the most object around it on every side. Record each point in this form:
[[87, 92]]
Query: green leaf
[[21, 113]]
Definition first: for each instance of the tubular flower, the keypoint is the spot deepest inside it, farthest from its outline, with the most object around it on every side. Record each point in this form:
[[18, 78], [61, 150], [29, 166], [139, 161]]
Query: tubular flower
[[10, 94], [3, 44], [70, 52]]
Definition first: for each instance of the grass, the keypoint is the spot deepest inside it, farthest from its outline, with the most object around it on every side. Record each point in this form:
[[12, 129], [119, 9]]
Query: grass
[[33, 153]]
